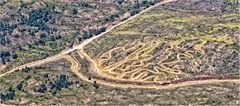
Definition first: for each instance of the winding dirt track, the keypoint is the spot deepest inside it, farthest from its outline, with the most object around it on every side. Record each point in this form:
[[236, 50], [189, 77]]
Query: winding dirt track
[[75, 68], [116, 83]]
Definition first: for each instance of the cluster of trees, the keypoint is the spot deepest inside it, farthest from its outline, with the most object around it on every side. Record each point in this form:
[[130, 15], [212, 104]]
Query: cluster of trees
[[112, 17], [42, 88], [91, 32], [37, 21], [5, 30], [26, 69], [39, 18], [144, 3], [9, 95], [54, 86], [5, 56], [135, 9], [84, 4], [62, 82], [44, 38]]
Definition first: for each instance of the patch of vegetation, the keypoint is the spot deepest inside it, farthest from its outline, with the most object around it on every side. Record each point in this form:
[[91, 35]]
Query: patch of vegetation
[[5, 29], [39, 17], [24, 22], [24, 90]]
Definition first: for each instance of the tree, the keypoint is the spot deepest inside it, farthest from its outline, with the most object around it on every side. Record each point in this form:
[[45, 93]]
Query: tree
[[42, 88], [43, 35], [95, 84], [74, 11], [14, 56], [19, 86], [10, 94]]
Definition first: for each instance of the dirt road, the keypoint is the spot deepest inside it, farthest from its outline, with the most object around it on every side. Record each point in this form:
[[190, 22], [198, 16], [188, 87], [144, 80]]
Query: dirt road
[[110, 29], [35, 63], [74, 67], [117, 83], [85, 42]]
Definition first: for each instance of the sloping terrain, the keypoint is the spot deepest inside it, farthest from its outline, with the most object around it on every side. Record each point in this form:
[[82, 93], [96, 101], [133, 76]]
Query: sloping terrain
[[177, 41], [181, 53], [35, 29], [55, 84]]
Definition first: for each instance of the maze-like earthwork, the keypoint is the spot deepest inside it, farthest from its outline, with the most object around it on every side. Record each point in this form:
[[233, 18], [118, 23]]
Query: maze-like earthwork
[[165, 45], [142, 64]]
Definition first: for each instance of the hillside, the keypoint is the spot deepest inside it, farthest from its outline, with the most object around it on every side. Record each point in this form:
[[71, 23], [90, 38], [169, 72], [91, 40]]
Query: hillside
[[120, 52]]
